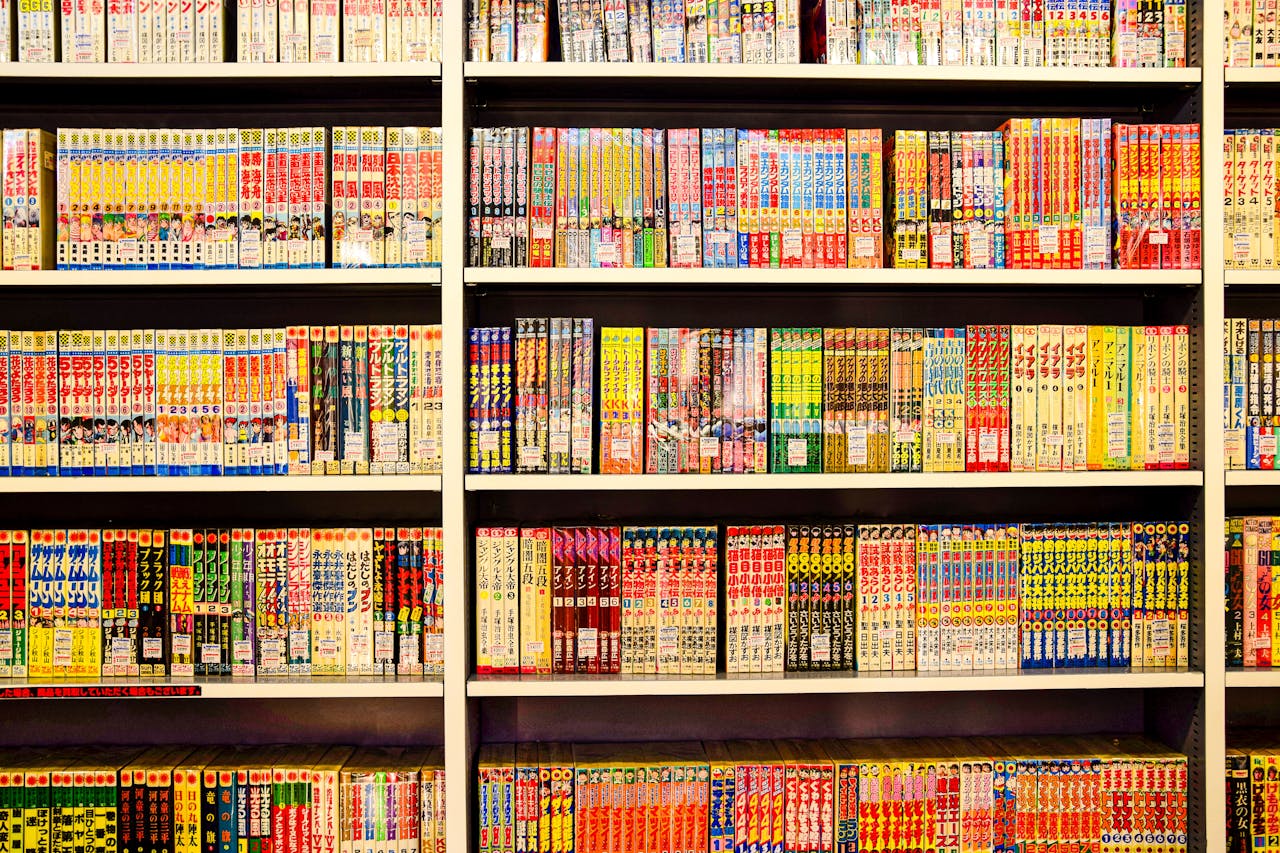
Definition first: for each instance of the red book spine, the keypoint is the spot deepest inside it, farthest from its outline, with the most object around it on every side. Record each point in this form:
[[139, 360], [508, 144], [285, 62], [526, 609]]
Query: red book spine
[[587, 572], [569, 613]]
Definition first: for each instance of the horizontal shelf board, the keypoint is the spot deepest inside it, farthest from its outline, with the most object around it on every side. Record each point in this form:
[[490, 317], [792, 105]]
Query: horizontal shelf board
[[950, 74], [1250, 677], [213, 278], [1252, 76], [778, 482], [834, 277], [198, 72], [794, 683], [1253, 478], [225, 688], [109, 485]]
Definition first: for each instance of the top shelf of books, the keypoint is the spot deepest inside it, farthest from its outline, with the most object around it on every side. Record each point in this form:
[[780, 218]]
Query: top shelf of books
[[950, 74], [212, 71]]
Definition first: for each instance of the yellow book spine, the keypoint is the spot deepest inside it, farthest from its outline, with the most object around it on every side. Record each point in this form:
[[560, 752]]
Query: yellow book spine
[[1138, 398]]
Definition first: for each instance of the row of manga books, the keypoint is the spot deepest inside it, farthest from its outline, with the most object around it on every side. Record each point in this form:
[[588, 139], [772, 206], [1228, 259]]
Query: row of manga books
[[1053, 193], [871, 598], [1253, 633], [226, 198], [240, 602], [173, 402], [1252, 413], [1253, 788], [976, 794], [1250, 30], [1250, 214], [166, 31], [757, 400], [1152, 33], [189, 800]]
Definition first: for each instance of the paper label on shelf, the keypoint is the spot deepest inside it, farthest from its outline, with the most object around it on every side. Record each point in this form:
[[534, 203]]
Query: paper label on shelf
[[62, 643], [559, 442], [531, 457], [1158, 238], [299, 644], [181, 644], [856, 440], [1241, 246], [792, 242], [152, 648], [988, 447], [964, 642], [1075, 642], [328, 647], [500, 243], [1267, 445], [864, 247], [1048, 239], [668, 641], [384, 646], [489, 440], [755, 641], [6, 644], [210, 653], [271, 653], [587, 642], [1053, 439], [1160, 638], [708, 447], [534, 647], [945, 437], [620, 449], [820, 648], [121, 651], [1117, 434], [797, 451], [243, 651]]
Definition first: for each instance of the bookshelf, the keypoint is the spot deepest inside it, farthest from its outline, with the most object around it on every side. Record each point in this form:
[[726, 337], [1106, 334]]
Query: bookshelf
[[1187, 709]]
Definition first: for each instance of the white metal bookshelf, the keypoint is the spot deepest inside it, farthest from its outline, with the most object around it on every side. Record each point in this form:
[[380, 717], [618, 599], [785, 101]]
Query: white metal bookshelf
[[461, 496]]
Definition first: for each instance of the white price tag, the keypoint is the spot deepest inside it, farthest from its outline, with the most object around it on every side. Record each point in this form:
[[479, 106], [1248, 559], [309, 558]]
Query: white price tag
[[1158, 238], [964, 642], [489, 439], [1049, 244], [6, 644], [668, 641], [152, 648], [299, 643], [1267, 445], [210, 653], [988, 447], [1075, 642], [856, 445], [1160, 638], [792, 242], [434, 644], [534, 647], [121, 651], [353, 447], [587, 642], [1165, 441], [559, 442], [1095, 245], [946, 438], [797, 451], [1117, 434], [709, 447], [243, 651], [181, 644], [686, 250], [940, 246], [500, 243], [1241, 246], [820, 648], [582, 447], [620, 449], [980, 249], [271, 653], [887, 633], [531, 457], [864, 247], [608, 254], [1053, 439], [543, 232], [755, 641], [384, 645], [328, 647]]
